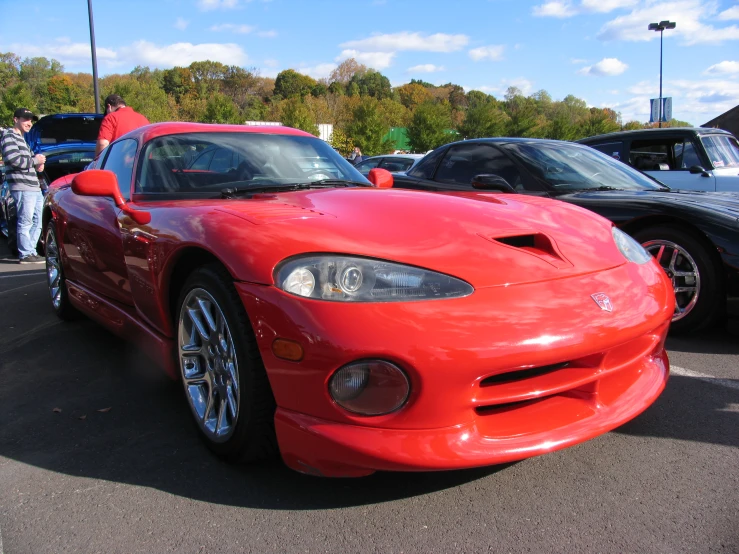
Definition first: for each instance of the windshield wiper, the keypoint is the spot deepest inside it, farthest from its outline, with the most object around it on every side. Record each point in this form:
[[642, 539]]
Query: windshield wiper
[[325, 183]]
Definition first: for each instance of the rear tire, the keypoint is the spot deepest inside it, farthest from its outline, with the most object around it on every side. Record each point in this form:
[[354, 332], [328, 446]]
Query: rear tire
[[55, 278], [696, 276], [223, 376]]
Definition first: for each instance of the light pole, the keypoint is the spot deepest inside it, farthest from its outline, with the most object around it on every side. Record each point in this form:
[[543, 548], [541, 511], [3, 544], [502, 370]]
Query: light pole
[[661, 26], [94, 58]]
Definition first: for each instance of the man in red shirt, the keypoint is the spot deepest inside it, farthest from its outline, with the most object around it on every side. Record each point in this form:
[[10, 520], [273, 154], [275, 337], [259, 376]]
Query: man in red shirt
[[119, 120]]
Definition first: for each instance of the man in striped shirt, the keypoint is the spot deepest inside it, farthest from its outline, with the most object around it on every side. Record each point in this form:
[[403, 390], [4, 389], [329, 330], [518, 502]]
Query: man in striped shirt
[[21, 168]]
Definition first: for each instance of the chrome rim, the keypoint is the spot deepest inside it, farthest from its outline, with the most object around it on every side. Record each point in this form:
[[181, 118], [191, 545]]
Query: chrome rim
[[53, 270], [682, 271], [209, 365]]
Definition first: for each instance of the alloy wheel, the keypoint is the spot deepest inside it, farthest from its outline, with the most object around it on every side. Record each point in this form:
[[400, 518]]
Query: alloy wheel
[[53, 270], [682, 271], [209, 365]]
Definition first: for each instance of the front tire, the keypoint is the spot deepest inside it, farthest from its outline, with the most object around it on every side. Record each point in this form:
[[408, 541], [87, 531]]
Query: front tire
[[695, 275], [225, 382]]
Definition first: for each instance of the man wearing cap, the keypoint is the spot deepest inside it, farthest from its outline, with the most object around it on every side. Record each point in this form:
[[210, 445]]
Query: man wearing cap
[[21, 168], [119, 120]]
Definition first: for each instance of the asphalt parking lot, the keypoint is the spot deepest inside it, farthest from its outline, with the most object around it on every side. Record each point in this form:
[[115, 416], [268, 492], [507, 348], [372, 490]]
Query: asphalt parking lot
[[97, 454]]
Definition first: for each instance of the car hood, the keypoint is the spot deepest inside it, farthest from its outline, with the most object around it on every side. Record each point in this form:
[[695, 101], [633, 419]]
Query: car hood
[[485, 239], [68, 129], [715, 203]]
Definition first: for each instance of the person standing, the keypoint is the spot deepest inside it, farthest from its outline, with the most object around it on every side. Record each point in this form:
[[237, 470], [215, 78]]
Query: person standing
[[119, 119], [21, 174], [357, 156]]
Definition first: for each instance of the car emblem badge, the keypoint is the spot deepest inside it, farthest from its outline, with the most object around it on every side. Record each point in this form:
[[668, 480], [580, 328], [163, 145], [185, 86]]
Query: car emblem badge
[[601, 298]]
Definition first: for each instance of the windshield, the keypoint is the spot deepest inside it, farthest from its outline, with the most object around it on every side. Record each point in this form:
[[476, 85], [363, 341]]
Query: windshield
[[212, 162], [723, 150], [566, 167]]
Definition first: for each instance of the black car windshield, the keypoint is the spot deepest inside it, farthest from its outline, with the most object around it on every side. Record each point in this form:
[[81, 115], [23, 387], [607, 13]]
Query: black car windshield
[[566, 167], [212, 162]]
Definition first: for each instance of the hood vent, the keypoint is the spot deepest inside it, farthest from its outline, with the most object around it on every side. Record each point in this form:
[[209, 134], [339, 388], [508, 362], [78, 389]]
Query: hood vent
[[536, 244]]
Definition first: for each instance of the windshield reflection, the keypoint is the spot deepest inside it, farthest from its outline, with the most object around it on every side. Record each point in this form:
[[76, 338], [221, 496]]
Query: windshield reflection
[[567, 167]]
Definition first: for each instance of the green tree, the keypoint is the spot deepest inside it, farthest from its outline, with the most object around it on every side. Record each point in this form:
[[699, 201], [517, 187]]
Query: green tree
[[478, 98], [9, 69], [598, 122], [178, 82], [221, 109], [16, 96], [429, 127], [632, 126], [484, 120], [289, 83], [296, 114], [372, 83], [395, 113], [368, 127]]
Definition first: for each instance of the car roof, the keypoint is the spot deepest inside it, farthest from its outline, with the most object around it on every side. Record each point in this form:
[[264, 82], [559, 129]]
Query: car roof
[[154, 130], [659, 131], [412, 156]]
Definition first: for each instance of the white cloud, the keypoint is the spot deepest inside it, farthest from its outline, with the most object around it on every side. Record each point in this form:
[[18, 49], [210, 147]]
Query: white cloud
[[207, 5], [723, 68], [181, 24], [271, 63], [63, 50], [555, 9], [318, 71], [232, 28], [492, 53], [604, 6], [182, 54], [606, 67], [267, 34], [686, 13], [425, 68], [375, 60], [396, 42], [731, 13], [578, 61]]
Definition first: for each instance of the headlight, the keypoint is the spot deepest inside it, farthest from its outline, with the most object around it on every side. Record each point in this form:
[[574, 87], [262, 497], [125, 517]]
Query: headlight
[[632, 250], [350, 279]]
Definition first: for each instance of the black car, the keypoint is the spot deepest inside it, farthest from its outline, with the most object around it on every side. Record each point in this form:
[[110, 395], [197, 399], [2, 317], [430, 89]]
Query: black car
[[695, 236]]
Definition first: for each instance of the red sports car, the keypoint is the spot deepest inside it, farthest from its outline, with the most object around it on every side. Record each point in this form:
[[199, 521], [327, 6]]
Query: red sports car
[[349, 326]]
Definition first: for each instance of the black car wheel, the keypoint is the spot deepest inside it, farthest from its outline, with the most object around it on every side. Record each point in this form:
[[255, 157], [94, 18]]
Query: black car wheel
[[222, 373], [55, 277], [695, 276]]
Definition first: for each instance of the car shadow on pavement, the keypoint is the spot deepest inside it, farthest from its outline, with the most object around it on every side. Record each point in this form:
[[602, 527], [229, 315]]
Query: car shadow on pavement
[[79, 401], [691, 409]]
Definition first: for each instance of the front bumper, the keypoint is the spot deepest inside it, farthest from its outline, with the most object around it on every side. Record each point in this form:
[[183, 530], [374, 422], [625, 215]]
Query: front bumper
[[504, 374]]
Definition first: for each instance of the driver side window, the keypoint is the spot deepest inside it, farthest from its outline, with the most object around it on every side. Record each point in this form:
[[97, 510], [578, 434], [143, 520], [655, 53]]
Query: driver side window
[[120, 160]]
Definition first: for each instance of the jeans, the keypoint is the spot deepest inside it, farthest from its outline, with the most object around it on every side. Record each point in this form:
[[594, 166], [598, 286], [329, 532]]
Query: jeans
[[28, 205]]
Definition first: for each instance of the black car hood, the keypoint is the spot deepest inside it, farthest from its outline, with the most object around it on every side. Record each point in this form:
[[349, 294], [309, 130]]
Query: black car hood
[[724, 203]]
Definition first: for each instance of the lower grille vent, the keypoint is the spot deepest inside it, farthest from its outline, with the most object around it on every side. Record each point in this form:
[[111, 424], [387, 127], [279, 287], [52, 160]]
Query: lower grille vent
[[521, 374]]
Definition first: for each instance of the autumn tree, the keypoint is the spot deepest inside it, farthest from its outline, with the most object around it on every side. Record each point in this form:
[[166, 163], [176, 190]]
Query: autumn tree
[[413, 94], [484, 120], [346, 70]]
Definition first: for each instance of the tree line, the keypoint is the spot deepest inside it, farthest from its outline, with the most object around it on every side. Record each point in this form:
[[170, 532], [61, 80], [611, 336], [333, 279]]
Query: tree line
[[358, 101]]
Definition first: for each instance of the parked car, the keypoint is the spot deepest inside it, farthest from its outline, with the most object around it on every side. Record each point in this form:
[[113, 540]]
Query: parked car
[[692, 158], [394, 163], [68, 142], [353, 328], [694, 236]]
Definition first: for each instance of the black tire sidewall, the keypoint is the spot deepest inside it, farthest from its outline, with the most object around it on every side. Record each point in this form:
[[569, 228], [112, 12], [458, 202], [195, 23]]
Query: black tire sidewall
[[255, 420]]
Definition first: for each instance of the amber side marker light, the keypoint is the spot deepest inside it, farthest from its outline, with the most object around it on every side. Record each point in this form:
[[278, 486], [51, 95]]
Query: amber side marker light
[[287, 350]]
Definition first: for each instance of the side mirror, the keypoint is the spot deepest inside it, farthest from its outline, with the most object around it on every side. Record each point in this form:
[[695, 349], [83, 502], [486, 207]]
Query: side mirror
[[695, 169], [381, 178], [490, 181], [101, 182]]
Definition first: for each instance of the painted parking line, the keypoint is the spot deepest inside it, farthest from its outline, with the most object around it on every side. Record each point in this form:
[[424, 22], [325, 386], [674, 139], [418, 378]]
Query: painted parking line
[[730, 383], [41, 282], [24, 274]]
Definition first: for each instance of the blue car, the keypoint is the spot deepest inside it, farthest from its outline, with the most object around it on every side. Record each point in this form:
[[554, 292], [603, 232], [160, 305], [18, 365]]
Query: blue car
[[68, 142]]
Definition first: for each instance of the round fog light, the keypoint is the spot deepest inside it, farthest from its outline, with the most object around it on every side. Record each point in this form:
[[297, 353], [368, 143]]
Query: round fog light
[[369, 387]]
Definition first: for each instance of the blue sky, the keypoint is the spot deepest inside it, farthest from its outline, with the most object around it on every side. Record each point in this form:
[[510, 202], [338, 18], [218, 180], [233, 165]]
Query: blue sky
[[597, 50]]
